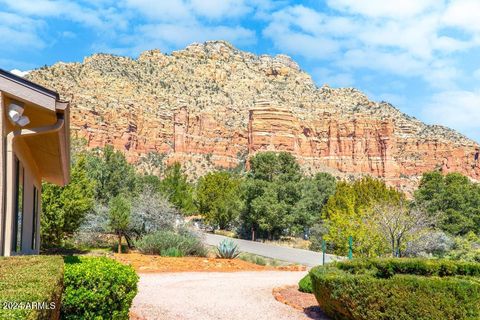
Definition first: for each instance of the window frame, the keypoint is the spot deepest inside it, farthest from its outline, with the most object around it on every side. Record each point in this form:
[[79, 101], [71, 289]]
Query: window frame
[[18, 227], [36, 205]]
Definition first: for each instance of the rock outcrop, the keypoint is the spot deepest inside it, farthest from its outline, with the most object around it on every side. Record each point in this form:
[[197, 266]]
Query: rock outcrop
[[212, 106]]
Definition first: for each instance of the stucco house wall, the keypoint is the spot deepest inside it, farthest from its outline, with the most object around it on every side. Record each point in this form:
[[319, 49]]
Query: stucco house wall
[[30, 153]]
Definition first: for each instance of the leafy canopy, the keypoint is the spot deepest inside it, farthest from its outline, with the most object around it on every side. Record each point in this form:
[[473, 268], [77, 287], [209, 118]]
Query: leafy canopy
[[218, 198], [279, 199], [177, 189], [455, 197], [349, 213], [64, 208], [114, 175]]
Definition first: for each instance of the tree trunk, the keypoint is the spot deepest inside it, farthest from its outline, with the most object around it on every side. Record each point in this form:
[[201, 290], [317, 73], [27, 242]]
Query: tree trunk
[[399, 254], [119, 243], [253, 233], [129, 241], [394, 251]]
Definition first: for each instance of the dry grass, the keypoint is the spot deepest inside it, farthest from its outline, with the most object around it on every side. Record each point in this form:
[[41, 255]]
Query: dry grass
[[291, 242]]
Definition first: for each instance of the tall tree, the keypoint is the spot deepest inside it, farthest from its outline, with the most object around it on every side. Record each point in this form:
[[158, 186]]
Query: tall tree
[[114, 175], [314, 194], [455, 198], [270, 166], [64, 208], [271, 192], [400, 223], [177, 189], [218, 198], [119, 215], [349, 213]]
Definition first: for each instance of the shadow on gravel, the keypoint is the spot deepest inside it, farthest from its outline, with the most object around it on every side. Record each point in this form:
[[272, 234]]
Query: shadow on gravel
[[315, 313]]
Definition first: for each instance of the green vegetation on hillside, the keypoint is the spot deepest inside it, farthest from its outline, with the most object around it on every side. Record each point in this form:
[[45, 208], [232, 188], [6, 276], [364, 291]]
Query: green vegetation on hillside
[[273, 200]]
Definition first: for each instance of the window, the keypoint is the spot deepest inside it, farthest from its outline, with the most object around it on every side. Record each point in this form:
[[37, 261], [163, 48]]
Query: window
[[35, 218], [18, 224]]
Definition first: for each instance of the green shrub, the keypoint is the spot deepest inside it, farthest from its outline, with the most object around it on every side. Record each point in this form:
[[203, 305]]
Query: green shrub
[[31, 279], [260, 261], [163, 242], [305, 284], [97, 288], [227, 249], [171, 252], [398, 289]]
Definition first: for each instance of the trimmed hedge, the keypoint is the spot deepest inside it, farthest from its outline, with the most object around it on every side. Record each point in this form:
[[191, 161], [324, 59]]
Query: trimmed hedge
[[97, 288], [305, 284], [386, 268], [32, 285], [398, 289]]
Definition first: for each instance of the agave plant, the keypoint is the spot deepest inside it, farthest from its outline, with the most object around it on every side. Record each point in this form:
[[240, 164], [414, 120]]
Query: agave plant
[[227, 249]]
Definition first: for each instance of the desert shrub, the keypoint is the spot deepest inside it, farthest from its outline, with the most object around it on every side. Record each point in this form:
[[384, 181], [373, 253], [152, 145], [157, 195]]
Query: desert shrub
[[97, 288], [305, 284], [227, 249], [256, 259], [226, 233], [28, 279], [260, 261], [161, 242], [433, 243], [151, 212], [171, 252], [465, 248], [398, 289]]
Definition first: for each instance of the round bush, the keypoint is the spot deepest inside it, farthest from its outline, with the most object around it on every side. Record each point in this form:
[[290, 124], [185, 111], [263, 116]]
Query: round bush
[[305, 284], [97, 288], [398, 289]]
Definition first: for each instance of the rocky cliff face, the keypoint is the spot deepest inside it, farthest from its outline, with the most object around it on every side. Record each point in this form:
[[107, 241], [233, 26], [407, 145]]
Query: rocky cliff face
[[211, 105]]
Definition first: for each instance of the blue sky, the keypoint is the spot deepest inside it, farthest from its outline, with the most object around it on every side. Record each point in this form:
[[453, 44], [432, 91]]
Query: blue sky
[[423, 56]]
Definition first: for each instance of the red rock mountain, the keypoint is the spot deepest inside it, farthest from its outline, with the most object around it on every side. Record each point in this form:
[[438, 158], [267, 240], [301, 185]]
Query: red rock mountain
[[211, 105]]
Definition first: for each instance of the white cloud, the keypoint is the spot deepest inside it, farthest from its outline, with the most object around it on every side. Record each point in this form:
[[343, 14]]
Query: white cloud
[[131, 26], [169, 36], [101, 18], [188, 10], [463, 14], [476, 74], [393, 98], [331, 78], [382, 8], [458, 109], [407, 39], [171, 10], [18, 32], [177, 23], [20, 73], [396, 63], [220, 9]]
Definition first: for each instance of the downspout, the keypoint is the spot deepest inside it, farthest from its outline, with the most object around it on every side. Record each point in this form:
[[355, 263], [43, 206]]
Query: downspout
[[10, 175]]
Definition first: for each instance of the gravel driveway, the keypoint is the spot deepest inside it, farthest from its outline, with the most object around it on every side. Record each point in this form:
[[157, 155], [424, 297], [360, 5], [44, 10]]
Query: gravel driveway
[[214, 295]]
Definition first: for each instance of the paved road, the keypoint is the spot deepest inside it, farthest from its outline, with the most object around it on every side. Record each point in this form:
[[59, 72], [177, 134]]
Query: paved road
[[304, 257], [214, 296]]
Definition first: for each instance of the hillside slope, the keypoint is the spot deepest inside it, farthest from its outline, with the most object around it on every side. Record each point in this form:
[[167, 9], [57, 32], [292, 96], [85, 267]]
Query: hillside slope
[[211, 105]]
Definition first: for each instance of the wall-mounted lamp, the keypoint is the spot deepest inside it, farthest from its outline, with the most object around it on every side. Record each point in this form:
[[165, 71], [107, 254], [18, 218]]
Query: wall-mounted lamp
[[15, 114]]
